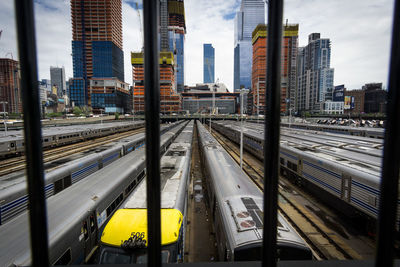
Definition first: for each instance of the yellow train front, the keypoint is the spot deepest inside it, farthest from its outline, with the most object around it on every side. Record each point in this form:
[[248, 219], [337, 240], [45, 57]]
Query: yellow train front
[[124, 239]]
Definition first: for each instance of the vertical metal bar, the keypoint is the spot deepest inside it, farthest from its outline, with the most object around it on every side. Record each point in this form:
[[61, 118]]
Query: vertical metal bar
[[391, 155], [32, 131], [152, 115], [271, 131]]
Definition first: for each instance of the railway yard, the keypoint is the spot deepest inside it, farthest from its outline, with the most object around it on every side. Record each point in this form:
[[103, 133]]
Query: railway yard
[[211, 207]]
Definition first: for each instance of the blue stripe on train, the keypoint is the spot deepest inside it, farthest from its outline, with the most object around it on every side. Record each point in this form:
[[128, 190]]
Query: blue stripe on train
[[288, 155], [84, 170], [365, 206], [111, 157], [366, 187], [22, 199], [321, 182], [323, 169]]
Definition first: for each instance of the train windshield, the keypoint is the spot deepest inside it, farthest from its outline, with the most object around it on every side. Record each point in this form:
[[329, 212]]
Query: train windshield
[[118, 256]]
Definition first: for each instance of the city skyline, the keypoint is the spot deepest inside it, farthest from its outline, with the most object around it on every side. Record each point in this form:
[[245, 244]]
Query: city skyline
[[359, 54]]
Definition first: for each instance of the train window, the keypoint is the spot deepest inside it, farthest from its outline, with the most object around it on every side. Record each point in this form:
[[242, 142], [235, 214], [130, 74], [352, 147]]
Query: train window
[[92, 224], [65, 259], [294, 167], [85, 230], [67, 181], [58, 186], [109, 211]]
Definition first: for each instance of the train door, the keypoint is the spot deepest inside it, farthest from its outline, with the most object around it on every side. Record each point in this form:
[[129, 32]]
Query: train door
[[346, 187], [90, 235], [300, 168]]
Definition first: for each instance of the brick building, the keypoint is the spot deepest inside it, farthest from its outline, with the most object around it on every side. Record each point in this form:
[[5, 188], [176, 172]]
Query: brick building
[[375, 98], [10, 92], [288, 72]]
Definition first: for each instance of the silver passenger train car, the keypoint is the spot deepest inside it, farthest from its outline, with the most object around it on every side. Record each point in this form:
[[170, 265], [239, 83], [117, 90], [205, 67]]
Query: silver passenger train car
[[124, 238], [78, 214], [237, 209], [345, 176], [357, 131], [13, 196], [55, 136]]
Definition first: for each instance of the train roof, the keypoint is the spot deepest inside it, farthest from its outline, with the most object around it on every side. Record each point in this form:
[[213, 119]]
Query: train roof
[[132, 217], [172, 165], [358, 155], [337, 160], [14, 183], [240, 200], [65, 208], [49, 131], [339, 127]]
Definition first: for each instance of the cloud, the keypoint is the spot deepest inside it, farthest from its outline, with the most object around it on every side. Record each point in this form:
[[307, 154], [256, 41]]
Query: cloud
[[209, 26], [53, 36], [8, 39], [360, 33]]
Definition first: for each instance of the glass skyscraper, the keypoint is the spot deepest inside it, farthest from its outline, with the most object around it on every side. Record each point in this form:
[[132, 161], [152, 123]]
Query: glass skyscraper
[[314, 74], [208, 63], [97, 56], [172, 36], [252, 13], [57, 76]]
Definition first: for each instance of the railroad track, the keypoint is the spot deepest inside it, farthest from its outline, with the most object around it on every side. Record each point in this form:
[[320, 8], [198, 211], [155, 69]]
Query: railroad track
[[324, 243], [17, 164]]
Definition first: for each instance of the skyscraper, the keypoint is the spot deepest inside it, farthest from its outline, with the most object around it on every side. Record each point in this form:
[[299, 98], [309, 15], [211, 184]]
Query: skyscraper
[[208, 63], [57, 77], [288, 72], [10, 93], [252, 13], [172, 36], [314, 74], [97, 53]]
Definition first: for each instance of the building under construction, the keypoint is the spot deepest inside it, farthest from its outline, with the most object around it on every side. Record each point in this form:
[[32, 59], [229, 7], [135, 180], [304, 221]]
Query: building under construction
[[172, 35], [97, 55], [10, 96], [288, 71], [170, 101]]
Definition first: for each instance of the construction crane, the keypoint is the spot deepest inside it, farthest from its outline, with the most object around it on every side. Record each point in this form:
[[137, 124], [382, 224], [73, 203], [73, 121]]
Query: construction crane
[[140, 23]]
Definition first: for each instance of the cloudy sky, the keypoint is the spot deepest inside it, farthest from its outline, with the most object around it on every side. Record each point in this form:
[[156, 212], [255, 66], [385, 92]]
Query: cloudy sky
[[359, 31]]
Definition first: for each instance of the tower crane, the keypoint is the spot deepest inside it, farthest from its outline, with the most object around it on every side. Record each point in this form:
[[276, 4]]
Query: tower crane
[[141, 29]]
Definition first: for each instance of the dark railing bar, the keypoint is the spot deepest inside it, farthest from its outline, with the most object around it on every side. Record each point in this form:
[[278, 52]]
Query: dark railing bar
[[152, 115], [33, 132], [271, 131], [391, 155]]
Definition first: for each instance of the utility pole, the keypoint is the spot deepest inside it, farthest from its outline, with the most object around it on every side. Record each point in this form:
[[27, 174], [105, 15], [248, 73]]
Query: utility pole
[[4, 114], [241, 129]]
